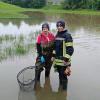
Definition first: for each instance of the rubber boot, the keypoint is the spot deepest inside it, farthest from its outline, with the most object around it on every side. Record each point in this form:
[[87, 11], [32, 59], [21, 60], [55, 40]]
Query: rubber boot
[[47, 71], [38, 77], [64, 84], [39, 74]]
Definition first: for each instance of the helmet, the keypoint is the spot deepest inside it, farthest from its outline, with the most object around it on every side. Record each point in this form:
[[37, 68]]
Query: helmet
[[60, 23], [45, 25]]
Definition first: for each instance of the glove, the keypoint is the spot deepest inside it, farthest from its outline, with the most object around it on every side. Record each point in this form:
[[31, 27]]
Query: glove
[[42, 59]]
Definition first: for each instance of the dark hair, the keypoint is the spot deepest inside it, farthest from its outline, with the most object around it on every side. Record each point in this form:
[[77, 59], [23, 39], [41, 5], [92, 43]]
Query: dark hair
[[60, 23], [45, 25]]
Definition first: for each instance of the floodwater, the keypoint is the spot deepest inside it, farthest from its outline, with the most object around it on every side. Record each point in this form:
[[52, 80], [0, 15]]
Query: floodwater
[[17, 51]]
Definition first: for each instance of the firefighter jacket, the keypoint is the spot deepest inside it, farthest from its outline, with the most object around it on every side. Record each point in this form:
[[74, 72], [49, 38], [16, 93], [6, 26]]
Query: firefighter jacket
[[63, 48]]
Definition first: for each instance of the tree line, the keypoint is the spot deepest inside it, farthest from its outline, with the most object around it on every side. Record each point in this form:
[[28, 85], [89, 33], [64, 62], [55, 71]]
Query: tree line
[[66, 4], [27, 3], [81, 4]]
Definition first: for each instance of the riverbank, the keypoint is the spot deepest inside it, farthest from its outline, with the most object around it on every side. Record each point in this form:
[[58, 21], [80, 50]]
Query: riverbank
[[12, 11]]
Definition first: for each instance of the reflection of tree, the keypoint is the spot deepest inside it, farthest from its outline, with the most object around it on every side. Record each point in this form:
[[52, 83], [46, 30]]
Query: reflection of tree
[[47, 94], [75, 22], [34, 18]]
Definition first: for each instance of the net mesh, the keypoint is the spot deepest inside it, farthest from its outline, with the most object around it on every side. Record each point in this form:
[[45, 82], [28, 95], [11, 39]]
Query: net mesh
[[26, 78]]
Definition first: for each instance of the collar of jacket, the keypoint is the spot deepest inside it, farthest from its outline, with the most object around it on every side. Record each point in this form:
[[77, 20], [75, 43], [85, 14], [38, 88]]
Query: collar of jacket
[[62, 32]]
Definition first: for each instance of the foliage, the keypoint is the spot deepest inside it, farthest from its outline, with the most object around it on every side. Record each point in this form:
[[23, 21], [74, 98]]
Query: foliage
[[81, 4], [39, 3], [27, 3]]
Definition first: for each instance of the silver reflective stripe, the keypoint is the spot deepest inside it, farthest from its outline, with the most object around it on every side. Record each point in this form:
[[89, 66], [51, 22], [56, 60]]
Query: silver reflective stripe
[[54, 52], [59, 39]]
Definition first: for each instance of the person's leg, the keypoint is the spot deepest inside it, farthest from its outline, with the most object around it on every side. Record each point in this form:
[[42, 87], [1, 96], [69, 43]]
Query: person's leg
[[60, 74], [47, 69], [48, 65], [64, 84], [63, 78], [38, 69]]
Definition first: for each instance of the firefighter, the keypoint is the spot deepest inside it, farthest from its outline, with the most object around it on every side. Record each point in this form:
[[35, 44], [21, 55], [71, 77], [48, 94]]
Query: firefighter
[[44, 46], [63, 52]]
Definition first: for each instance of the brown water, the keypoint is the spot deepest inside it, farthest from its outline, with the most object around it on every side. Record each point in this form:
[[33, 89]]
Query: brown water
[[84, 83]]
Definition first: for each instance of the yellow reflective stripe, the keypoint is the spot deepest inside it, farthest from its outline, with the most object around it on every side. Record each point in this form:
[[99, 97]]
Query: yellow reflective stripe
[[67, 56], [58, 63], [61, 63], [64, 50], [58, 60], [69, 44]]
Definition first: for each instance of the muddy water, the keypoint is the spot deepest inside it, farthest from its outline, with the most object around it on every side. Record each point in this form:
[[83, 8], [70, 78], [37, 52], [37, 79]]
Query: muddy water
[[83, 83]]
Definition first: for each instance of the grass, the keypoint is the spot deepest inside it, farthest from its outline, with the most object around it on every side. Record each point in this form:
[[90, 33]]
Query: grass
[[12, 11]]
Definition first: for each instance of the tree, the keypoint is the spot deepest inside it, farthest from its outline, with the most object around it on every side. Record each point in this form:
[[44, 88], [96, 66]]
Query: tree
[[72, 4], [39, 3]]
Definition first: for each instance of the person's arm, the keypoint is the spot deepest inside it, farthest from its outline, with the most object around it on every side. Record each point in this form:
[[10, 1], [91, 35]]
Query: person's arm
[[39, 49], [38, 46], [69, 48], [69, 52], [69, 45]]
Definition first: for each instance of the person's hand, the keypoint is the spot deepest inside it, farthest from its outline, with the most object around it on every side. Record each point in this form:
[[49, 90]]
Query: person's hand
[[42, 59], [67, 71], [65, 63]]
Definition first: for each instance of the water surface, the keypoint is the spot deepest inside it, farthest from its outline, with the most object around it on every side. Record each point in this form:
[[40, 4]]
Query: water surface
[[17, 51]]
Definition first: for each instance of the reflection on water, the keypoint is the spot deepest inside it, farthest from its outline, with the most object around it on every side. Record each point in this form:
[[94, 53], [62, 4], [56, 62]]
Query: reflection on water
[[24, 28], [43, 93], [17, 41]]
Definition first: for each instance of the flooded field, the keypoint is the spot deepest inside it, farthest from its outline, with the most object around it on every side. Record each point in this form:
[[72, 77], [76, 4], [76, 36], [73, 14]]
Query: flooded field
[[17, 51]]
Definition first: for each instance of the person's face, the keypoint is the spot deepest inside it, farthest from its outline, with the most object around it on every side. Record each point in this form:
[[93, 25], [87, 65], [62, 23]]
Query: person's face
[[60, 28], [45, 30]]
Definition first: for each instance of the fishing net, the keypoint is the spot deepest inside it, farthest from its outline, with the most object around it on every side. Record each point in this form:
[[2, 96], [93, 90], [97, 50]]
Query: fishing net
[[27, 77]]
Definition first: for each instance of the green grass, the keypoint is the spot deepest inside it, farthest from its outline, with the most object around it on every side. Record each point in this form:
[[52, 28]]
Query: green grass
[[12, 11], [58, 9]]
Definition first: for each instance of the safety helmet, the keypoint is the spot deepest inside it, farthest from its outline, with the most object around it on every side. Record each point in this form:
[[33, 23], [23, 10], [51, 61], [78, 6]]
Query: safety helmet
[[45, 25], [60, 23]]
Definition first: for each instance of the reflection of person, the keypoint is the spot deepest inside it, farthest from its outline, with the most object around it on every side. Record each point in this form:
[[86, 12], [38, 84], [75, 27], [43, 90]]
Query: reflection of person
[[44, 44], [63, 52], [47, 94]]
